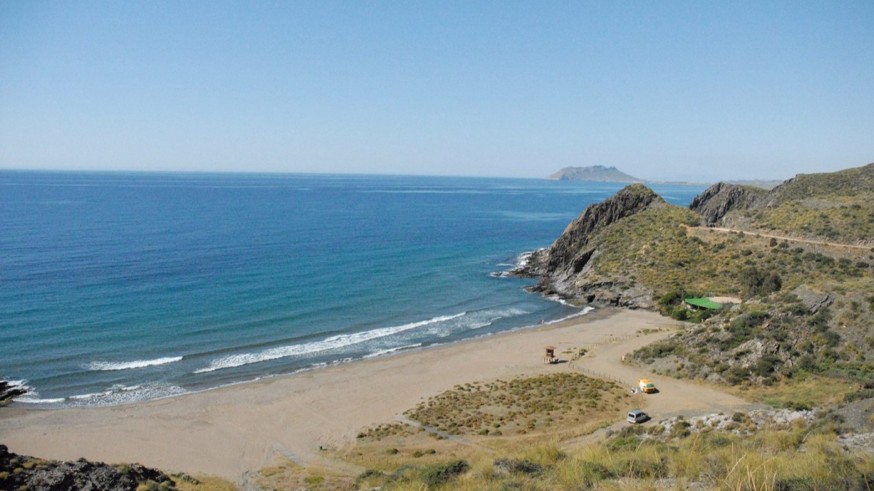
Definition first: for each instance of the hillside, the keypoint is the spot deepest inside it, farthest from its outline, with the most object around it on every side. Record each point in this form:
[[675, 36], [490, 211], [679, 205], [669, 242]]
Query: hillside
[[597, 173], [807, 304], [836, 206]]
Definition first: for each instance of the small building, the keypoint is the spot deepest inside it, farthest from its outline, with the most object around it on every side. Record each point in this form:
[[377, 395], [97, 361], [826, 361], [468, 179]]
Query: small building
[[701, 303]]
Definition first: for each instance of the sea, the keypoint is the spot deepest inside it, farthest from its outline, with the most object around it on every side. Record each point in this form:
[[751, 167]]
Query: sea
[[124, 287]]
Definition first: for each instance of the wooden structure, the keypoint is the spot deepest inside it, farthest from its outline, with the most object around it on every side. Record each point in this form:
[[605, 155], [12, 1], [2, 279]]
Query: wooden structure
[[549, 357]]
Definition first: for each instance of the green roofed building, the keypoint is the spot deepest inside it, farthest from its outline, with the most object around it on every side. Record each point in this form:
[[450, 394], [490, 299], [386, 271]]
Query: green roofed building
[[702, 303]]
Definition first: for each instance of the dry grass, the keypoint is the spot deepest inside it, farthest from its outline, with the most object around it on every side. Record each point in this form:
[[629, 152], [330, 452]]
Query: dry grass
[[808, 391], [185, 482], [288, 475], [543, 404]]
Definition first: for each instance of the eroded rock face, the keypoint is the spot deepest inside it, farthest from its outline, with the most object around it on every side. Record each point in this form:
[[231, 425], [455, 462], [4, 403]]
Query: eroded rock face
[[563, 266], [22, 472], [719, 199], [9, 391]]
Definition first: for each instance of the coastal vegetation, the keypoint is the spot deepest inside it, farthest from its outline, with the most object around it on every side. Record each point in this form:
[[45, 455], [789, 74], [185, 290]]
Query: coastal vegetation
[[789, 449]]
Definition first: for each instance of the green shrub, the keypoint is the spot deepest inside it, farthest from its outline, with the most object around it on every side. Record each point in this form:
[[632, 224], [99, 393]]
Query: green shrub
[[439, 474]]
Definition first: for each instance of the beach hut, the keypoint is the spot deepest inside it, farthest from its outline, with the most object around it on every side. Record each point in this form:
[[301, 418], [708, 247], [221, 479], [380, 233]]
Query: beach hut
[[549, 357]]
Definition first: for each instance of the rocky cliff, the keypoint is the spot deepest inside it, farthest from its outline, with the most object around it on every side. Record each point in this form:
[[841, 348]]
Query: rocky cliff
[[721, 198], [564, 267]]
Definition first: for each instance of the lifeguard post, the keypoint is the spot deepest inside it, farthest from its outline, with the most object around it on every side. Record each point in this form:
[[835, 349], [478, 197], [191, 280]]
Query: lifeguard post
[[549, 357]]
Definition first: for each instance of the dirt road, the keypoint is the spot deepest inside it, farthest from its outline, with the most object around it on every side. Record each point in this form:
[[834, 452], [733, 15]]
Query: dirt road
[[675, 397], [838, 245]]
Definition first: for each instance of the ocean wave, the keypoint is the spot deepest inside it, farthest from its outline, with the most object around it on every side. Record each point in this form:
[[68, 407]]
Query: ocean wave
[[486, 318], [115, 395], [128, 365], [583, 311], [393, 350], [333, 342]]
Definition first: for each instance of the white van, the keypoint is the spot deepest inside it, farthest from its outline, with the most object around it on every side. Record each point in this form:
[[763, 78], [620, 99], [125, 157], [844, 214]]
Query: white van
[[636, 416]]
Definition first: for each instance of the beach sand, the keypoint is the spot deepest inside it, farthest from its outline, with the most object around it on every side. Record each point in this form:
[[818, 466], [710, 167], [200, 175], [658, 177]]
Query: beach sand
[[233, 430]]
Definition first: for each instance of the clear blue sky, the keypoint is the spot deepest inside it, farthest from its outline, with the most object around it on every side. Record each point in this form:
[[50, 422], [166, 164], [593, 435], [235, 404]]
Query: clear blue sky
[[695, 90]]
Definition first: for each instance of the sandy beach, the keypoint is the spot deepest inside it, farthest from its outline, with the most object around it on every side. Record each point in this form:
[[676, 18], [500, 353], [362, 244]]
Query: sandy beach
[[230, 431]]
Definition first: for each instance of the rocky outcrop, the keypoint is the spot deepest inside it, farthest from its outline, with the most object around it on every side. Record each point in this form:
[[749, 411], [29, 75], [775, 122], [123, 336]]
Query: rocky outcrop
[[562, 267], [721, 198], [9, 391], [22, 472]]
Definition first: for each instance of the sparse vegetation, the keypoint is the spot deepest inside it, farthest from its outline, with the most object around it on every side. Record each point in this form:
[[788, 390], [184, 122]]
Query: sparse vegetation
[[521, 406]]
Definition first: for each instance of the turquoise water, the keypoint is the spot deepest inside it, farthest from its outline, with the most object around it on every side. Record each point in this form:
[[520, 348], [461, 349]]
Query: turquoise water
[[119, 287]]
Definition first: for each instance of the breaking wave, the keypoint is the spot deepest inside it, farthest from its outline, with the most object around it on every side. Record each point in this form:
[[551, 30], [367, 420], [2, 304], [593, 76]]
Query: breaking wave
[[129, 365], [333, 342]]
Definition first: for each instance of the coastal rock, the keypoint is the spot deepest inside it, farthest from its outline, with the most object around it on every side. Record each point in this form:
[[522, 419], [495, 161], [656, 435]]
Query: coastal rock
[[22, 472], [10, 390], [562, 268], [721, 198]]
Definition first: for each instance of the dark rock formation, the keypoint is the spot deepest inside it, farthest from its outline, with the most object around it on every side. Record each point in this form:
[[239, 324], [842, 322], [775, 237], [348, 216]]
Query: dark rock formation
[[569, 258], [720, 199], [717, 200], [9, 391], [21, 472]]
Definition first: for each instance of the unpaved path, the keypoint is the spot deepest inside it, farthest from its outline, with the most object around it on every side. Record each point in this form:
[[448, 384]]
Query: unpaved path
[[783, 237], [675, 397]]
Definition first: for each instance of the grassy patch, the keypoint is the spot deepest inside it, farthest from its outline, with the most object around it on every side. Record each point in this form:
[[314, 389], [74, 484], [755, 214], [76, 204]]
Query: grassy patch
[[808, 391], [288, 475], [521, 406]]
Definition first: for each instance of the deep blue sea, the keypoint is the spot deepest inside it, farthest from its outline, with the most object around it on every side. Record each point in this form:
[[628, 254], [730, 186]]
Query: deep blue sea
[[120, 287]]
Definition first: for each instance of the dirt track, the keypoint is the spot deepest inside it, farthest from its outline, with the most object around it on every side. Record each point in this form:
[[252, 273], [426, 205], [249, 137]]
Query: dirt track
[[675, 397], [838, 245]]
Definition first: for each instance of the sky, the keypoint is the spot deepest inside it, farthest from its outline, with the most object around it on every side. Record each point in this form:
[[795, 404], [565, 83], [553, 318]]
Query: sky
[[696, 90]]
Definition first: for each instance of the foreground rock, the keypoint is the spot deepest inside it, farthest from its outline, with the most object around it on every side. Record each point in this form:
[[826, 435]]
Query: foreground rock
[[22, 472], [9, 391]]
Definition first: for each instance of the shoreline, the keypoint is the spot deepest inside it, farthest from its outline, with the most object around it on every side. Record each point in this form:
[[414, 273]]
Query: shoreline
[[67, 402], [232, 430]]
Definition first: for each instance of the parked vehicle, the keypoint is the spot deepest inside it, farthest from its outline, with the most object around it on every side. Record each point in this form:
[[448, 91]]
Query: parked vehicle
[[647, 387], [636, 416]]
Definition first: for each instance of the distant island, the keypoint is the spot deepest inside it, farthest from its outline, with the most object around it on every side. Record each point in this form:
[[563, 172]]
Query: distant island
[[593, 173]]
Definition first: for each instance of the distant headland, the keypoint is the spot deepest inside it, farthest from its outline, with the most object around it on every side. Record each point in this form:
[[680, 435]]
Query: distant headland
[[593, 173]]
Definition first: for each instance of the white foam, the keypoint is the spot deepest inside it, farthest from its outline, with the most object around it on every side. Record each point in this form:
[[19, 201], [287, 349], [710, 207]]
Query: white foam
[[128, 365], [117, 394], [393, 350], [333, 342], [488, 317], [29, 400], [522, 261]]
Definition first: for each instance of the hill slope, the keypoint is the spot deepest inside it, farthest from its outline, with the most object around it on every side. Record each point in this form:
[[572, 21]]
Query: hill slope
[[807, 304], [836, 206]]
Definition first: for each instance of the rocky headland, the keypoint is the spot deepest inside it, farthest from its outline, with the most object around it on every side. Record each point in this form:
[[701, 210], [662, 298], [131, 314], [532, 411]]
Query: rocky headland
[[566, 267]]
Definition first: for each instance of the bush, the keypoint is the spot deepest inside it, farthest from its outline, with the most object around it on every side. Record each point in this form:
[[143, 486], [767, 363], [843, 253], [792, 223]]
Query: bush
[[439, 474], [512, 466]]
